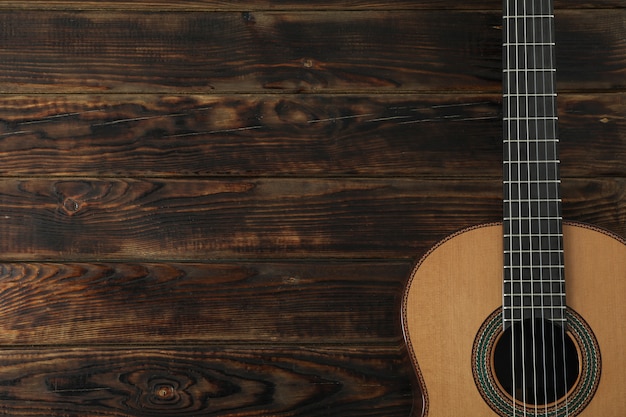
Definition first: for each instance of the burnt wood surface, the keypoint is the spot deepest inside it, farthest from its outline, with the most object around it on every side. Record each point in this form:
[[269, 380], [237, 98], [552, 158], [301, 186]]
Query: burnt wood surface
[[224, 380], [211, 208], [295, 302], [194, 5], [140, 52]]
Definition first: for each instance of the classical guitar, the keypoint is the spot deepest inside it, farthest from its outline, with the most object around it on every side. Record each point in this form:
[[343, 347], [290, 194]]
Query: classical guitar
[[524, 318]]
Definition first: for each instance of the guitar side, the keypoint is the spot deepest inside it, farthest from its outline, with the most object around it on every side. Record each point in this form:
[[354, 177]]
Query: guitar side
[[458, 284]]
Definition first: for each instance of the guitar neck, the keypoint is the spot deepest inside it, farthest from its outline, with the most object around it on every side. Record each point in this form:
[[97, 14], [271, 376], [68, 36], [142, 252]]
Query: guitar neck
[[533, 258]]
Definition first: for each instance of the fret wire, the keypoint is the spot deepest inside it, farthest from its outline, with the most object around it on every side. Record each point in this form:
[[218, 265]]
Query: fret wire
[[534, 141], [507, 95], [535, 200], [536, 16], [555, 140], [524, 70], [528, 118], [535, 181], [509, 44], [533, 161], [534, 218]]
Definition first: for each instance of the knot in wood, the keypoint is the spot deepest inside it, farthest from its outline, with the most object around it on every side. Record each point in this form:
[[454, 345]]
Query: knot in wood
[[165, 392], [71, 206], [248, 18]]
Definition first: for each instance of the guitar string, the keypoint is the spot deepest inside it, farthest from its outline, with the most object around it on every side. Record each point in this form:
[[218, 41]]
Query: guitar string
[[528, 52], [543, 132], [552, 63], [538, 370], [519, 194], [553, 212], [509, 196], [518, 130], [536, 249], [540, 131], [510, 199], [510, 143], [548, 106], [513, 140]]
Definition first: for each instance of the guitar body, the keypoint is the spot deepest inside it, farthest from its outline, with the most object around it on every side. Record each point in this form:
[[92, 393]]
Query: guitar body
[[457, 286]]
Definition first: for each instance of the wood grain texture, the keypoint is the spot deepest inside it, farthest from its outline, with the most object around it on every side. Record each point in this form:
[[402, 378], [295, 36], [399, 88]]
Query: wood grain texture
[[200, 303], [268, 135], [142, 52], [64, 219], [142, 219], [223, 381], [290, 135], [211, 206], [203, 5]]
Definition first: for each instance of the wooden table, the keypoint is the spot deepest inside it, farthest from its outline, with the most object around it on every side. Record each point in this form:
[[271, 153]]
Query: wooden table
[[212, 207]]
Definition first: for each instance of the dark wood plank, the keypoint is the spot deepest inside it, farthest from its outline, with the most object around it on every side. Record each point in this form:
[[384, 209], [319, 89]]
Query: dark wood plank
[[291, 135], [167, 5], [142, 219], [249, 135], [108, 51], [255, 381], [596, 40], [123, 303], [584, 124]]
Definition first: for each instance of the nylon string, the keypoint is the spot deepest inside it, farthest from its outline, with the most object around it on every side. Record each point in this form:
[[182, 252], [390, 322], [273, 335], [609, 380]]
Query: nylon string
[[544, 45]]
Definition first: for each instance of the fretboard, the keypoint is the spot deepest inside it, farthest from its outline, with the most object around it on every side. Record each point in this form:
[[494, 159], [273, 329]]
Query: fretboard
[[534, 284]]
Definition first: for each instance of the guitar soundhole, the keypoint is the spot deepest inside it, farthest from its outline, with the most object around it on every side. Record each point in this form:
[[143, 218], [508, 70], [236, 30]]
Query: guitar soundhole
[[536, 362]]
